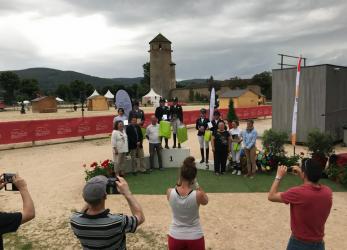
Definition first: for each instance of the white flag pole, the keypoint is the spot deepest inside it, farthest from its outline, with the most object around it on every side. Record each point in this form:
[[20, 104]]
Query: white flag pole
[[295, 109], [212, 103]]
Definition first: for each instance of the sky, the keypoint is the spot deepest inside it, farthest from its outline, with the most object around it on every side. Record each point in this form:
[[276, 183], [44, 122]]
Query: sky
[[109, 38]]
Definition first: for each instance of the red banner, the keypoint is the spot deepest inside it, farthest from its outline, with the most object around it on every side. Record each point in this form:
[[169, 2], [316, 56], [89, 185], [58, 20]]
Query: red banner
[[38, 130]]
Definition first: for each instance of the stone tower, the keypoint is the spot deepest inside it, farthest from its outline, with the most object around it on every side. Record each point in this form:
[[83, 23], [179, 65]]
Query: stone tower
[[162, 69]]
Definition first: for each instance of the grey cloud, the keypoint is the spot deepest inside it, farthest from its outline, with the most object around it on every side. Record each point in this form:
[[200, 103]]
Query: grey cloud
[[220, 38]]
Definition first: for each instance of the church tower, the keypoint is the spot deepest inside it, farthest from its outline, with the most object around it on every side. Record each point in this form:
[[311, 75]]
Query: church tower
[[162, 69]]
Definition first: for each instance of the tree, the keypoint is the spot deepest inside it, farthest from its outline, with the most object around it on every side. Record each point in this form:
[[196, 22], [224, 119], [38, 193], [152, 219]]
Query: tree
[[28, 89], [63, 91], [264, 80], [231, 112], [144, 85], [10, 82], [191, 95], [77, 89]]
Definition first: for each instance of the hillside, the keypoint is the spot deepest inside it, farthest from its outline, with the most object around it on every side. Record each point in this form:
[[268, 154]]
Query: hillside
[[49, 79]]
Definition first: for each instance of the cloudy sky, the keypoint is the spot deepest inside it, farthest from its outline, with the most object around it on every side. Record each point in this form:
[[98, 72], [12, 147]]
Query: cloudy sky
[[109, 38]]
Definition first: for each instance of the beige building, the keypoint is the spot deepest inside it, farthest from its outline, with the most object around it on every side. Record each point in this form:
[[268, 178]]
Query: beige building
[[44, 104], [242, 98], [97, 103], [162, 69]]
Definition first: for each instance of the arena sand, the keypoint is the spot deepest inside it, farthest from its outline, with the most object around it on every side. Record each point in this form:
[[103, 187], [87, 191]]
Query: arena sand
[[55, 178]]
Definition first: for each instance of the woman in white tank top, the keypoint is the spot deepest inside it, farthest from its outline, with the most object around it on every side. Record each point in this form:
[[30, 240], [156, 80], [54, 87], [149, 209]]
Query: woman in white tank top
[[185, 200]]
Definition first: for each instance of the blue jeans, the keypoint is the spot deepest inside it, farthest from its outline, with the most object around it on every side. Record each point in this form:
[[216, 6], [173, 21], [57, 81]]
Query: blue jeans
[[295, 244]]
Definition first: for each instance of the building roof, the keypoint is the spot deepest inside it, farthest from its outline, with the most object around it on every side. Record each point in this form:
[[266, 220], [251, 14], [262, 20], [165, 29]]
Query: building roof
[[39, 98], [236, 93], [95, 93], [160, 38], [109, 95], [151, 93]]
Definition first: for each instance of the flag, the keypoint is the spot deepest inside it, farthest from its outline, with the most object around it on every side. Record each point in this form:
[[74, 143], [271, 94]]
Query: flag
[[212, 103], [123, 101], [295, 109]]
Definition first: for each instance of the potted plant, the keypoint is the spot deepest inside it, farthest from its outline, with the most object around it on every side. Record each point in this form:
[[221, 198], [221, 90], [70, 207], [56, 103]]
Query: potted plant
[[104, 168], [273, 147], [320, 145], [231, 113]]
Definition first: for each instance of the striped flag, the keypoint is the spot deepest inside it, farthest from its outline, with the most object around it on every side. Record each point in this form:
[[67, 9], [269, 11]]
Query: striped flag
[[212, 103], [295, 110]]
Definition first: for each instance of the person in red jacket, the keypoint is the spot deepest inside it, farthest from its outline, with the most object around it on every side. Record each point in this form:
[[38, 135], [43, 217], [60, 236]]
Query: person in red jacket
[[310, 205]]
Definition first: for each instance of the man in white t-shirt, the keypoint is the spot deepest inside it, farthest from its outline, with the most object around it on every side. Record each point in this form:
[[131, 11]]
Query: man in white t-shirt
[[236, 140], [152, 134]]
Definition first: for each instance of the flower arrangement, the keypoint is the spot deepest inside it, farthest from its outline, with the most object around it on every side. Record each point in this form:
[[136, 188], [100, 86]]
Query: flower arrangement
[[105, 168]]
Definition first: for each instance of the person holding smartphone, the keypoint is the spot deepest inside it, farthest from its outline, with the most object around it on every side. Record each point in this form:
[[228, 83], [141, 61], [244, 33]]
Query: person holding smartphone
[[185, 199], [10, 222], [310, 205], [95, 226]]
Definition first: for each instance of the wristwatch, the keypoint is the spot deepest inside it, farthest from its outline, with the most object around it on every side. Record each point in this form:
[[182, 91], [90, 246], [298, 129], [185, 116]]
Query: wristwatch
[[278, 178]]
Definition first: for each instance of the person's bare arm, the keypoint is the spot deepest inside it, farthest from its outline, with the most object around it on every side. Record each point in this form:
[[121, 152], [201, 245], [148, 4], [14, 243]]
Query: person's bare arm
[[2, 182], [201, 196], [274, 195], [168, 192], [28, 204], [135, 207]]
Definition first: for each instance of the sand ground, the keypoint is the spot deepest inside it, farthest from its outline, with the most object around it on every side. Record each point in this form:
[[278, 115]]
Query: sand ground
[[55, 178]]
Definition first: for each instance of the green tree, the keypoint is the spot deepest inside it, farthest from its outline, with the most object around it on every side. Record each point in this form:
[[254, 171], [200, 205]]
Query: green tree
[[63, 91], [231, 112], [144, 85], [10, 82], [29, 88], [77, 88], [191, 95], [264, 80]]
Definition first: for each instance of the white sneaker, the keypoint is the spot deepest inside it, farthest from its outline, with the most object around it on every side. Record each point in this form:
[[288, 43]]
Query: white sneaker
[[234, 172], [239, 172]]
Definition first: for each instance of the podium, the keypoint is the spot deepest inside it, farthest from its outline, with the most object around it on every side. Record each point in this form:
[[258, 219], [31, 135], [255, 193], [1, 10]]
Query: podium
[[172, 158]]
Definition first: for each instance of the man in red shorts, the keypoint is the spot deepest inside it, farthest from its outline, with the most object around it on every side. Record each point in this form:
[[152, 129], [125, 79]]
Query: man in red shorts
[[310, 205]]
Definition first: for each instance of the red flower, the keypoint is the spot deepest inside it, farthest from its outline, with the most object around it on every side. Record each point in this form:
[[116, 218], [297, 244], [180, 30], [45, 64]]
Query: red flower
[[94, 164], [105, 163]]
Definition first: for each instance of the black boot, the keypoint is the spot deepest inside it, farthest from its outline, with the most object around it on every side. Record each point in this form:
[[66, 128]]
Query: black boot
[[166, 143], [207, 154], [202, 155], [179, 145], [174, 139]]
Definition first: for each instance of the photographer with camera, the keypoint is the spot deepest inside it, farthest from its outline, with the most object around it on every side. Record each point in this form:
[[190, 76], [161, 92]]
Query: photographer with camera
[[310, 205], [9, 222], [95, 226]]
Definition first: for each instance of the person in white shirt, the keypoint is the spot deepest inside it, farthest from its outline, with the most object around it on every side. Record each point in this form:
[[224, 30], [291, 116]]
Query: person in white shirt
[[236, 140], [119, 142], [120, 117], [152, 134]]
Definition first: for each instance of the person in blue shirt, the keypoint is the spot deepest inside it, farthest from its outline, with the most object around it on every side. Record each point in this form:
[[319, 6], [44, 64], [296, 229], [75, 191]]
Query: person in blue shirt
[[249, 137]]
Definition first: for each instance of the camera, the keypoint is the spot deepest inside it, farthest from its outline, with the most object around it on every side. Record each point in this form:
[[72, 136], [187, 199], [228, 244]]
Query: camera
[[111, 186], [8, 179]]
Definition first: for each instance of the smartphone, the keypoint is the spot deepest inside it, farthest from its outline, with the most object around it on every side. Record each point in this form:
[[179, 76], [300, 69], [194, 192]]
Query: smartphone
[[8, 178]]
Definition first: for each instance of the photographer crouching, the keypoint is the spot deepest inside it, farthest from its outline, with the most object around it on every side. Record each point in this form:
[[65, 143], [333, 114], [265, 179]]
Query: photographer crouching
[[95, 226], [310, 205], [10, 222]]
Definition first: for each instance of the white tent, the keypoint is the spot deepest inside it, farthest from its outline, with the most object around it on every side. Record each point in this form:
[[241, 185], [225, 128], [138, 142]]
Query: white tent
[[26, 102], [59, 99], [109, 95], [151, 97], [95, 93]]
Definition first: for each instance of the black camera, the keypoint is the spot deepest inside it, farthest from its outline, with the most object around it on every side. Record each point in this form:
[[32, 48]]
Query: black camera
[[111, 186], [8, 179]]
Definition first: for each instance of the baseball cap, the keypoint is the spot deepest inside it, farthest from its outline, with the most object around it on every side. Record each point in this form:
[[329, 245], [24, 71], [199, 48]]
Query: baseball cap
[[95, 189]]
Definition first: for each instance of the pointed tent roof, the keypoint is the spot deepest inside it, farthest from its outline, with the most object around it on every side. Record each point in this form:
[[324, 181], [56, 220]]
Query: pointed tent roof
[[109, 95], [160, 38], [151, 93], [59, 99], [95, 93]]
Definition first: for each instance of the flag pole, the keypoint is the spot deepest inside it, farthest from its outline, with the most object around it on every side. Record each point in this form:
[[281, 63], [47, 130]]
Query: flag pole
[[295, 109]]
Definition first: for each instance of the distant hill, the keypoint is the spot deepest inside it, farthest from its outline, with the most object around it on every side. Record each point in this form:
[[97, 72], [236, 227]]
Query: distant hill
[[49, 79]]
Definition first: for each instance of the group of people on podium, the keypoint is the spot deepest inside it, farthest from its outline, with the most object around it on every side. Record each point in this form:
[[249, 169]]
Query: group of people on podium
[[127, 136]]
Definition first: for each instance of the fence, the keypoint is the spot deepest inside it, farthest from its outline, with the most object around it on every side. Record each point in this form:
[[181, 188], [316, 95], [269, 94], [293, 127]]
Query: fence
[[38, 130]]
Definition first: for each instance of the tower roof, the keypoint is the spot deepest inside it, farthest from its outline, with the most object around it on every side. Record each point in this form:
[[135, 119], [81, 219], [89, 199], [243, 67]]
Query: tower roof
[[160, 38]]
